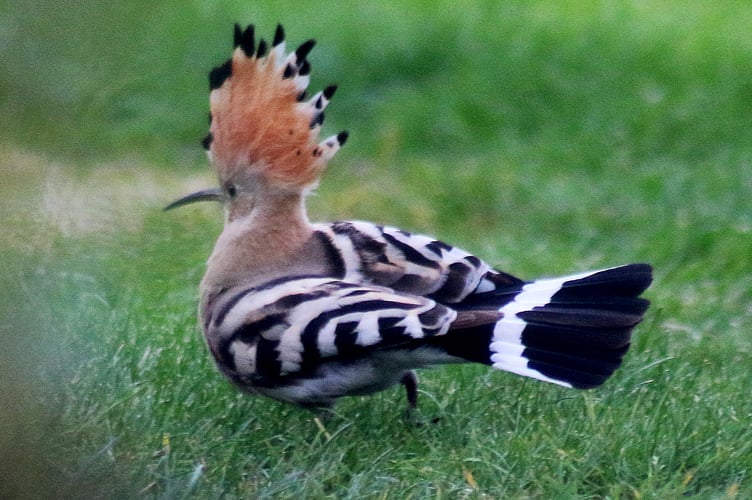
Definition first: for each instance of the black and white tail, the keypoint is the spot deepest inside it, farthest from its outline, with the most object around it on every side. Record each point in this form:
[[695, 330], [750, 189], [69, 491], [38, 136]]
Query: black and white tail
[[572, 331]]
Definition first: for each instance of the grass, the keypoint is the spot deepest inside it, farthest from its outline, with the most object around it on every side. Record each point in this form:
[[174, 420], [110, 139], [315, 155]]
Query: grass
[[546, 138]]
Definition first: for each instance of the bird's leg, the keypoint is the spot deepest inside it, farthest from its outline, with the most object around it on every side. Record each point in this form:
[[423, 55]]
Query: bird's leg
[[410, 381]]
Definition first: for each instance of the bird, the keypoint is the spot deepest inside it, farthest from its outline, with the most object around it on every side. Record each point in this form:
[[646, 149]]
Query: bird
[[307, 313]]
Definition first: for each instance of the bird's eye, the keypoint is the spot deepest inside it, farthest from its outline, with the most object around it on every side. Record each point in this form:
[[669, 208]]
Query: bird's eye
[[232, 190]]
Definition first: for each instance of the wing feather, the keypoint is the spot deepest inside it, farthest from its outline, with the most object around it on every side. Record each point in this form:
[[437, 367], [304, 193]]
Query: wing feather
[[410, 263], [294, 326]]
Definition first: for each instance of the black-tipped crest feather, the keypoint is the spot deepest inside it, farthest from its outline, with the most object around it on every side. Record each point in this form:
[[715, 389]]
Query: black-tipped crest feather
[[305, 48], [247, 41], [329, 91], [279, 35], [236, 36], [218, 75], [305, 68], [261, 50]]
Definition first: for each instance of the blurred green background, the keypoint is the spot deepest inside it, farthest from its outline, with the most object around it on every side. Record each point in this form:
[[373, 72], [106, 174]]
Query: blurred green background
[[546, 137]]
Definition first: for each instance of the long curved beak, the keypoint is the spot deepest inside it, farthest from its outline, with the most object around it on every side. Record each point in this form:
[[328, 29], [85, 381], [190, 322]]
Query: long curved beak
[[213, 194]]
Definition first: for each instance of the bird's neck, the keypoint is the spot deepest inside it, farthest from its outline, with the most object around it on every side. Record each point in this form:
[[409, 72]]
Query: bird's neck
[[261, 245]]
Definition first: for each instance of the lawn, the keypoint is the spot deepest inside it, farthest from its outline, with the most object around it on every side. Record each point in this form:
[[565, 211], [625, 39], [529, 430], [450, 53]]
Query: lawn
[[546, 138]]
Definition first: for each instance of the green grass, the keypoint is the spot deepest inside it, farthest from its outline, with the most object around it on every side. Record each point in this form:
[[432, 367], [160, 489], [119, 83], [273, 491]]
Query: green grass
[[546, 138]]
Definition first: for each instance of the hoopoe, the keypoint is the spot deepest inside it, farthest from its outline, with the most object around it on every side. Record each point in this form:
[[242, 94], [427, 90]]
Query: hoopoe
[[308, 313]]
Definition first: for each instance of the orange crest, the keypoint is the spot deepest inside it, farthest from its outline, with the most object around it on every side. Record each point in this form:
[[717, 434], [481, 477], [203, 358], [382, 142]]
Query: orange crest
[[260, 120]]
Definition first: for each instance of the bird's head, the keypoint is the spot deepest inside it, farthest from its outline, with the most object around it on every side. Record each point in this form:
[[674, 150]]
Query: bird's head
[[263, 134]]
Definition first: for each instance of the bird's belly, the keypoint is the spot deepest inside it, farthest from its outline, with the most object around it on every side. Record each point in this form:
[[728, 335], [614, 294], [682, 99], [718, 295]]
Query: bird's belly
[[333, 380]]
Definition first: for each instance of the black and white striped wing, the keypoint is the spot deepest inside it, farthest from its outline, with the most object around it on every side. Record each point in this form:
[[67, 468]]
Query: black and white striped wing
[[406, 262], [292, 326]]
